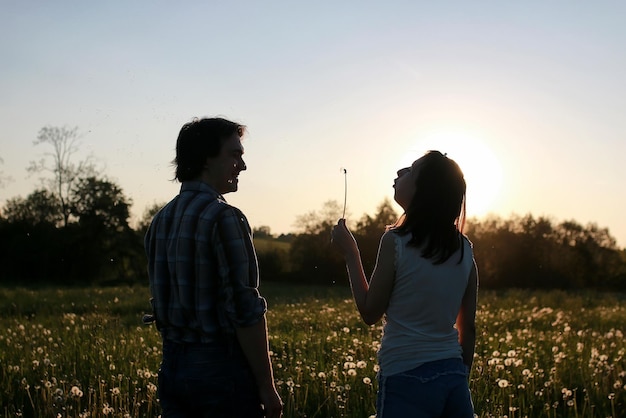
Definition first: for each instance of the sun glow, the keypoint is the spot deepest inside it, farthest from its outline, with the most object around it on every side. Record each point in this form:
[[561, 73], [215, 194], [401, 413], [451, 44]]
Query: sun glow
[[481, 167]]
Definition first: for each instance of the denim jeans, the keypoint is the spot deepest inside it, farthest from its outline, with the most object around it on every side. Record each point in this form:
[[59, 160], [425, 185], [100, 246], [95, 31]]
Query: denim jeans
[[438, 389], [207, 380]]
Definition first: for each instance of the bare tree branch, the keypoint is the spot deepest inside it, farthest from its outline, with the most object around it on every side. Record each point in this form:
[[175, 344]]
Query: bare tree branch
[[60, 162]]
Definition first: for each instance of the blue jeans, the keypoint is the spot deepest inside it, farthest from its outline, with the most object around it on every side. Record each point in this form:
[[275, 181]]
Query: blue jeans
[[207, 380], [436, 389]]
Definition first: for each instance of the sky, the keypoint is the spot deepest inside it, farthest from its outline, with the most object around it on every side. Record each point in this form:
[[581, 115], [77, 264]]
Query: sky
[[528, 97]]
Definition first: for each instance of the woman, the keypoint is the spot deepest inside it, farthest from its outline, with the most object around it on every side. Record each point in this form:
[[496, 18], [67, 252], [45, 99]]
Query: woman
[[425, 282]]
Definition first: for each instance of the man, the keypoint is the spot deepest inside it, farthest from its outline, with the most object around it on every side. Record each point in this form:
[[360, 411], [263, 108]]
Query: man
[[203, 281]]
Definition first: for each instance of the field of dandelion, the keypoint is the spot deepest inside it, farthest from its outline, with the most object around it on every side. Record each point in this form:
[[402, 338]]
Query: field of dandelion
[[85, 353]]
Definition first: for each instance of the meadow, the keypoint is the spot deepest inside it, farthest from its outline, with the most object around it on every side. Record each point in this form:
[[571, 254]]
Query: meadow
[[85, 353]]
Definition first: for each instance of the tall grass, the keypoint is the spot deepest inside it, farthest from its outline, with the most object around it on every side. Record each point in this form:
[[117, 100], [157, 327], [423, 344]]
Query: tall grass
[[84, 353]]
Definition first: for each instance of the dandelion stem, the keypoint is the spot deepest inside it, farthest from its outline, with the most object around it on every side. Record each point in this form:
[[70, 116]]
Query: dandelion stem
[[345, 192]]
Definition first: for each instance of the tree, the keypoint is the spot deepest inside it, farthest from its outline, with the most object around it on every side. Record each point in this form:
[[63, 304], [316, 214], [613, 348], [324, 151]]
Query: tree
[[146, 218], [60, 162], [315, 222], [262, 231], [369, 230], [3, 179], [312, 256], [39, 207], [103, 246], [100, 201], [31, 245], [534, 252]]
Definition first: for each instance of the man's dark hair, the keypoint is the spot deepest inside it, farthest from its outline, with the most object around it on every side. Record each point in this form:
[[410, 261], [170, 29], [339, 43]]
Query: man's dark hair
[[199, 140]]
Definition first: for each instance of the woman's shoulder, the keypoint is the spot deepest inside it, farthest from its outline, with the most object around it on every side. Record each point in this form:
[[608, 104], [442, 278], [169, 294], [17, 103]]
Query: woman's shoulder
[[467, 242]]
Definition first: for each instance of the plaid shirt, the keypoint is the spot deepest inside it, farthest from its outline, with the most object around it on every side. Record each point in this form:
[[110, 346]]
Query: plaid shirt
[[202, 267]]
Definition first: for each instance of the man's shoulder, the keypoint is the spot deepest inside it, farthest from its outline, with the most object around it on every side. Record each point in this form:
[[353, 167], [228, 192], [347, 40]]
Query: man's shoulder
[[213, 208]]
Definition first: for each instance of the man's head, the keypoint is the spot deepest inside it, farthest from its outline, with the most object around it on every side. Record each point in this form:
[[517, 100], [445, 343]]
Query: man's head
[[210, 150]]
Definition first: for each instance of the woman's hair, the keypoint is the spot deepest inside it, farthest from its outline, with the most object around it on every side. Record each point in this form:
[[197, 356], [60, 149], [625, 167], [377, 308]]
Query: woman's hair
[[435, 217], [199, 140]]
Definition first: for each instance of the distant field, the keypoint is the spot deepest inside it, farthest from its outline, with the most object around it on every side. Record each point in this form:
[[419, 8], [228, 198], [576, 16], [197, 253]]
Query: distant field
[[264, 245], [84, 353]]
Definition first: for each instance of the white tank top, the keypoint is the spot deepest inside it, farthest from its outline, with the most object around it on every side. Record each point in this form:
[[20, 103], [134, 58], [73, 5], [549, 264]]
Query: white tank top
[[425, 300]]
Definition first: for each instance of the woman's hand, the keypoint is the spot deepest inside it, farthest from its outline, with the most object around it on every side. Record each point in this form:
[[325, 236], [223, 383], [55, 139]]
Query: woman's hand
[[343, 239]]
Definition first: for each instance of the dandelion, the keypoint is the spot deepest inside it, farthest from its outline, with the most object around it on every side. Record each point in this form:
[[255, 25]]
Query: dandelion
[[367, 380], [361, 364], [503, 383], [115, 391], [76, 392], [321, 375], [351, 372], [106, 409]]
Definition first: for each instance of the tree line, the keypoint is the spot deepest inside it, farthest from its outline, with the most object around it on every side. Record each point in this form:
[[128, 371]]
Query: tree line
[[74, 230], [521, 251]]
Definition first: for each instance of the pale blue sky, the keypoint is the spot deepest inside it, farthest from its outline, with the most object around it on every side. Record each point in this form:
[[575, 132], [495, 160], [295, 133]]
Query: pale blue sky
[[529, 97]]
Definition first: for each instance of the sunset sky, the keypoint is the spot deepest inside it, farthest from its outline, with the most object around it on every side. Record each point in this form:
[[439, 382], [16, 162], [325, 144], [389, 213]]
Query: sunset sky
[[528, 97]]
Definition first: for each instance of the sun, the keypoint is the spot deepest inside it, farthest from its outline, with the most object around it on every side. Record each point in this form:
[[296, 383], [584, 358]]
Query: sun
[[480, 166]]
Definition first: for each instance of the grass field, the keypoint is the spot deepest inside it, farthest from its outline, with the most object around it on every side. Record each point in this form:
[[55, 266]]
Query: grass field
[[84, 353]]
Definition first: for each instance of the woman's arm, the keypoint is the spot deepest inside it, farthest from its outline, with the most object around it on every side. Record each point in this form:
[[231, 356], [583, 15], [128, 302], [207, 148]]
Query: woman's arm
[[466, 318], [371, 298]]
